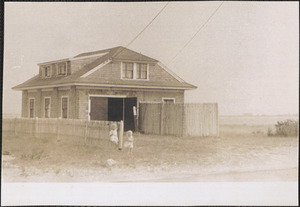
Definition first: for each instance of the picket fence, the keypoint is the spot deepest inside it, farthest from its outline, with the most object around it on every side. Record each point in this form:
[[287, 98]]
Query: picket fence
[[81, 130], [188, 119]]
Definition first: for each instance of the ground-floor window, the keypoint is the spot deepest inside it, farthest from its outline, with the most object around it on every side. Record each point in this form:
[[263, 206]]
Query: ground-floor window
[[31, 108], [47, 107], [168, 100], [64, 107]]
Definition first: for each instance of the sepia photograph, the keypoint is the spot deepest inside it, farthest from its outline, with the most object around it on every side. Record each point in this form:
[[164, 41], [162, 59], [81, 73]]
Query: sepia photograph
[[150, 103]]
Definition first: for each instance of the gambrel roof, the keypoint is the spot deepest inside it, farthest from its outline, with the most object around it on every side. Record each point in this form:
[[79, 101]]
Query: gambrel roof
[[96, 73]]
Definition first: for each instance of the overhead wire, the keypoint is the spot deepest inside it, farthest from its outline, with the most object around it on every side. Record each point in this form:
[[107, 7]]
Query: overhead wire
[[143, 29], [196, 33]]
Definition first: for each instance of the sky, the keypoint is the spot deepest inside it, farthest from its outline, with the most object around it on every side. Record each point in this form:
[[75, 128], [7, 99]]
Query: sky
[[246, 58]]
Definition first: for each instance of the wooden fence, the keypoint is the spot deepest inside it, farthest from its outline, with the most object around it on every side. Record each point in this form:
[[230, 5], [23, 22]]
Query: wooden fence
[[179, 119], [82, 130]]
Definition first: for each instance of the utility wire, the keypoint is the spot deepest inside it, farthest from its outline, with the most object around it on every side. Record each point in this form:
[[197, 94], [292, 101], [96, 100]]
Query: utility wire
[[196, 32], [143, 29]]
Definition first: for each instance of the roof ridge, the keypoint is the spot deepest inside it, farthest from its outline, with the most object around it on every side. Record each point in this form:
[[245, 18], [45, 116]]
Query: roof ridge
[[96, 51], [125, 48]]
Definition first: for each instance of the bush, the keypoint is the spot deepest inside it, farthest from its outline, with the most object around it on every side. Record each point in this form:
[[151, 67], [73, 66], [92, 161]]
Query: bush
[[286, 128]]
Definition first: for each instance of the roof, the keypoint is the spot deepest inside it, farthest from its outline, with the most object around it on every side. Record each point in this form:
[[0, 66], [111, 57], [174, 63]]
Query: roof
[[82, 77]]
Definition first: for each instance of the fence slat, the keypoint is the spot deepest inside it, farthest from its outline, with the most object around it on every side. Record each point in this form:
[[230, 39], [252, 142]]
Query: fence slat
[[61, 128], [179, 119]]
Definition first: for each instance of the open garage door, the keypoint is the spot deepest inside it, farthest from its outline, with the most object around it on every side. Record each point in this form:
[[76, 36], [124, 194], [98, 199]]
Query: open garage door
[[129, 122], [98, 109], [114, 109]]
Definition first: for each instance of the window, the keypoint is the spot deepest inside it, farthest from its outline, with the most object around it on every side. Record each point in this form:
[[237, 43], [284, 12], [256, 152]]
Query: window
[[64, 107], [134, 71], [47, 71], [62, 69], [168, 100], [127, 70], [31, 108], [47, 108], [141, 71]]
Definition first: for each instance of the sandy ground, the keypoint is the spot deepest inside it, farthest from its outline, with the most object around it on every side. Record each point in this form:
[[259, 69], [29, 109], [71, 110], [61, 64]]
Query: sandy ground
[[14, 173], [238, 158]]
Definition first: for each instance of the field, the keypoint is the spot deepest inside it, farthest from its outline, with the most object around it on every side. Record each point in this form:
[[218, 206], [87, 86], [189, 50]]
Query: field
[[240, 153]]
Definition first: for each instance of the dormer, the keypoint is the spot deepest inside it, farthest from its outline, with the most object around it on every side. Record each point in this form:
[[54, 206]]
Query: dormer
[[131, 70], [55, 69]]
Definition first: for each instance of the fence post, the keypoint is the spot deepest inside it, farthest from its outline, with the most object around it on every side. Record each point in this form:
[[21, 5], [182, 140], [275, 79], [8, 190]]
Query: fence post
[[161, 119], [217, 119], [15, 126], [121, 131], [86, 129], [36, 127], [57, 128]]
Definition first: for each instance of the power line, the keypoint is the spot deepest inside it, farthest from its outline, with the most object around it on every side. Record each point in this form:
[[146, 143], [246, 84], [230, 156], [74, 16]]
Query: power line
[[196, 32], [144, 28]]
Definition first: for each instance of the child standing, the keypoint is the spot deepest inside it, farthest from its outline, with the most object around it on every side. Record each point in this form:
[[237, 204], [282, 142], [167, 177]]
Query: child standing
[[129, 142], [113, 134]]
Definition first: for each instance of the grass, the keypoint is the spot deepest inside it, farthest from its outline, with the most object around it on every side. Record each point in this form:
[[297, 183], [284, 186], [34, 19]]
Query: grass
[[237, 147]]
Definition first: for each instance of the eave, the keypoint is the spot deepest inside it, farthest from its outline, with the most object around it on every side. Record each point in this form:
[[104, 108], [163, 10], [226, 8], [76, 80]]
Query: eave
[[104, 85]]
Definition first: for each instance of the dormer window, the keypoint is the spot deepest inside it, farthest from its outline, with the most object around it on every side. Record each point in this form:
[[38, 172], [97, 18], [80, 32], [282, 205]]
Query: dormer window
[[135, 71], [141, 71], [127, 71], [62, 69], [46, 71]]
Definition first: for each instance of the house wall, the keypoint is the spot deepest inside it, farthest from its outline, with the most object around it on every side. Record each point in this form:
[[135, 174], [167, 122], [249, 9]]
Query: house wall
[[112, 73], [78, 99], [24, 112], [55, 94], [141, 94]]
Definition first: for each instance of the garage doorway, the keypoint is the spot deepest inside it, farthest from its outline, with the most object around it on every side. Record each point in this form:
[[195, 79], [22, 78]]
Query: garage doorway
[[113, 109]]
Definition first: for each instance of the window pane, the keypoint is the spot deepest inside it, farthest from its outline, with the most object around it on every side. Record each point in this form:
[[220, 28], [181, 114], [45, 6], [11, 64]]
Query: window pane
[[168, 101], [142, 71], [31, 110], [127, 70], [64, 108], [47, 71], [62, 69], [47, 107]]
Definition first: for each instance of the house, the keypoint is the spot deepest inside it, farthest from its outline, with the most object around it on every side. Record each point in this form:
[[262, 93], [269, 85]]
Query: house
[[100, 85]]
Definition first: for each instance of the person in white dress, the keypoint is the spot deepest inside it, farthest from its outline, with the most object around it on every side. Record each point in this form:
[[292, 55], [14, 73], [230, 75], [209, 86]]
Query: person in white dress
[[129, 142], [113, 134]]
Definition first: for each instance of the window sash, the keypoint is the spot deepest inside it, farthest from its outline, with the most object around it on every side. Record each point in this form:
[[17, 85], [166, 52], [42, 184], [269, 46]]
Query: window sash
[[128, 70], [47, 71], [168, 101], [47, 107], [62, 69], [141, 71], [31, 108], [64, 107]]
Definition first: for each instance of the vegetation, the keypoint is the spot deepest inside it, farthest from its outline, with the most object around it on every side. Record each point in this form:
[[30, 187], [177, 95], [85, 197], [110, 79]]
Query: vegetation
[[287, 128]]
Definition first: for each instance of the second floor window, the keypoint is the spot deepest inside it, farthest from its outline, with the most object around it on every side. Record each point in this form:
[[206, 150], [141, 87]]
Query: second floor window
[[47, 71], [62, 69], [141, 71], [127, 70]]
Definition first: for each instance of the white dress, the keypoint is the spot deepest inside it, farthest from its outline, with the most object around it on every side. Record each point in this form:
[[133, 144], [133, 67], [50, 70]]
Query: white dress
[[129, 143], [113, 136]]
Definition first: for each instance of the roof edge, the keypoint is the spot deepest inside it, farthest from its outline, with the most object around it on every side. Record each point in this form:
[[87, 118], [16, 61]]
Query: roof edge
[[102, 85]]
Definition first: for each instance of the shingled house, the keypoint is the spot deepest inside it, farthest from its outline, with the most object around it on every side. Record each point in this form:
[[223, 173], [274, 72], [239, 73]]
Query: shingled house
[[100, 85]]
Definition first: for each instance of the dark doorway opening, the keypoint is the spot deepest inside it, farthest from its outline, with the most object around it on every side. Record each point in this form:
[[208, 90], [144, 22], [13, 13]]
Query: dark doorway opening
[[115, 109], [129, 119]]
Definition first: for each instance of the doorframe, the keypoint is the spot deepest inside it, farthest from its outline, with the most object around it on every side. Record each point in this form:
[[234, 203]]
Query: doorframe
[[104, 96]]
